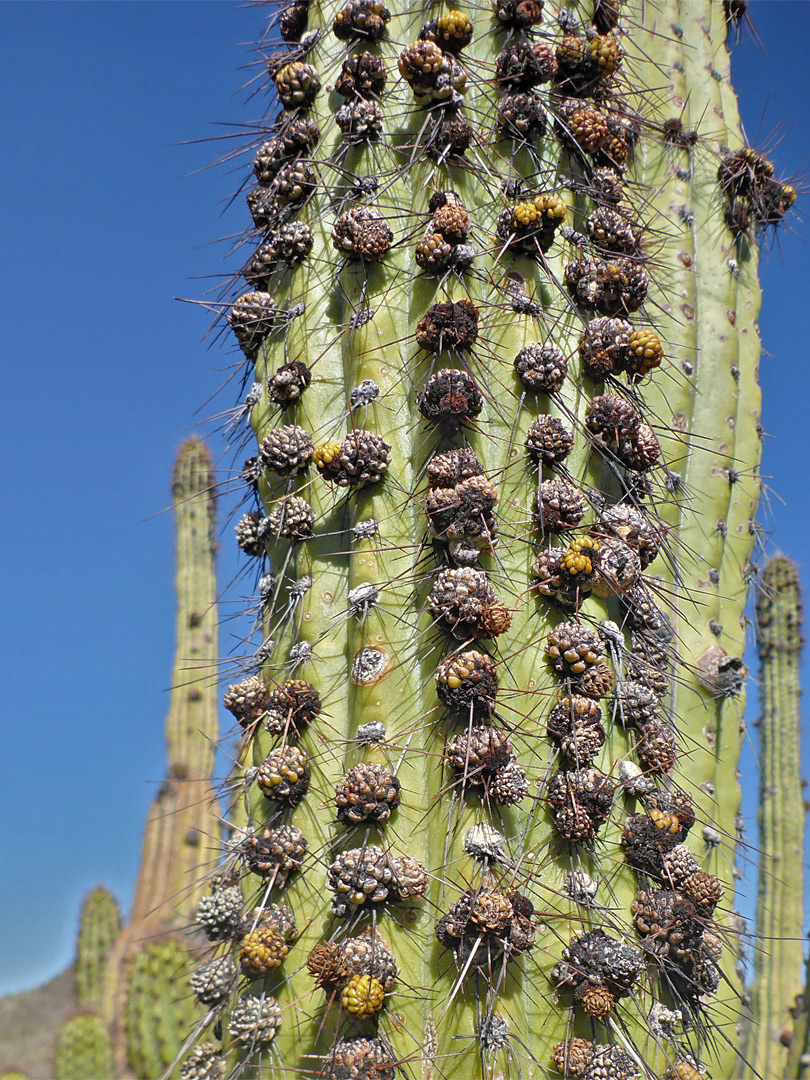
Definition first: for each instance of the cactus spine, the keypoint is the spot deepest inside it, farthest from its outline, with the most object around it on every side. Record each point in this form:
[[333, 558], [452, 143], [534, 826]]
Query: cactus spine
[[780, 910], [83, 1050], [99, 927], [526, 887]]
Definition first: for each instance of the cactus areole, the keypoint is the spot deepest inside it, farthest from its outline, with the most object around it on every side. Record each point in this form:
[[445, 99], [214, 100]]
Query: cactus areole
[[499, 675]]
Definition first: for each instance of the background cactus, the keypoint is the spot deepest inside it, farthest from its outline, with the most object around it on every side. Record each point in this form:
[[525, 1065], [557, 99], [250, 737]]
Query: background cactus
[[160, 1010], [798, 1057], [473, 268], [183, 822], [780, 910], [146, 1015], [83, 1049], [99, 927], [135, 977]]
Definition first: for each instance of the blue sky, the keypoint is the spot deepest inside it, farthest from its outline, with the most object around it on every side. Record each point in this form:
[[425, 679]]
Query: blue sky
[[104, 373]]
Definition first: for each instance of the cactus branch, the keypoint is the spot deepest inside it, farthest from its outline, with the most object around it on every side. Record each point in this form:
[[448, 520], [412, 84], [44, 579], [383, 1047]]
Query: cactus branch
[[182, 826], [780, 910], [83, 1049]]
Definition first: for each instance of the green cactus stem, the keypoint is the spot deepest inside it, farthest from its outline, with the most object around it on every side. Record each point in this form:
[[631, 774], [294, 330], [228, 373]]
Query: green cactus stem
[[160, 1011], [780, 910], [437, 770], [798, 1058], [99, 927], [182, 827], [83, 1049]]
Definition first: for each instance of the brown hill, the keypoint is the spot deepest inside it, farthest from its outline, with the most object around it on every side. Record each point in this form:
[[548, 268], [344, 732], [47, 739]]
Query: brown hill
[[29, 1023]]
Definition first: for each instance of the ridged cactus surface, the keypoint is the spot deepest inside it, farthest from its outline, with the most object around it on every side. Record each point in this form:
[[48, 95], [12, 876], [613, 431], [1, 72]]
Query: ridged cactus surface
[[83, 1050], [500, 329], [99, 927], [778, 963], [160, 1010]]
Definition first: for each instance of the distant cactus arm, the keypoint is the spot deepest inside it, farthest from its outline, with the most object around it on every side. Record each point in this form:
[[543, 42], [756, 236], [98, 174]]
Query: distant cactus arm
[[183, 820], [780, 911], [99, 927]]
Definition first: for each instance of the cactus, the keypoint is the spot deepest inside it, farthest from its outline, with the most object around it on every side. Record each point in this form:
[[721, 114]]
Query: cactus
[[83, 1049], [134, 977], [50, 1036], [183, 820], [182, 829], [160, 1009], [99, 927], [780, 910], [519, 726], [84, 1046], [798, 1057]]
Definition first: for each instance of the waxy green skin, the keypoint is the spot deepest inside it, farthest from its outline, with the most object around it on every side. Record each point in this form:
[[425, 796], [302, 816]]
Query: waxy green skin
[[704, 307], [158, 1015], [83, 1049], [99, 927], [780, 915]]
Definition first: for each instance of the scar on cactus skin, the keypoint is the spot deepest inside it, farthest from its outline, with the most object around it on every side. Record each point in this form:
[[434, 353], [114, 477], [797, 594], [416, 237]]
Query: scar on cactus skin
[[511, 420]]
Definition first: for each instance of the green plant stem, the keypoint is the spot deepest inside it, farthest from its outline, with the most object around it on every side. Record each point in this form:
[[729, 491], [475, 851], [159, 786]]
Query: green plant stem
[[780, 910]]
